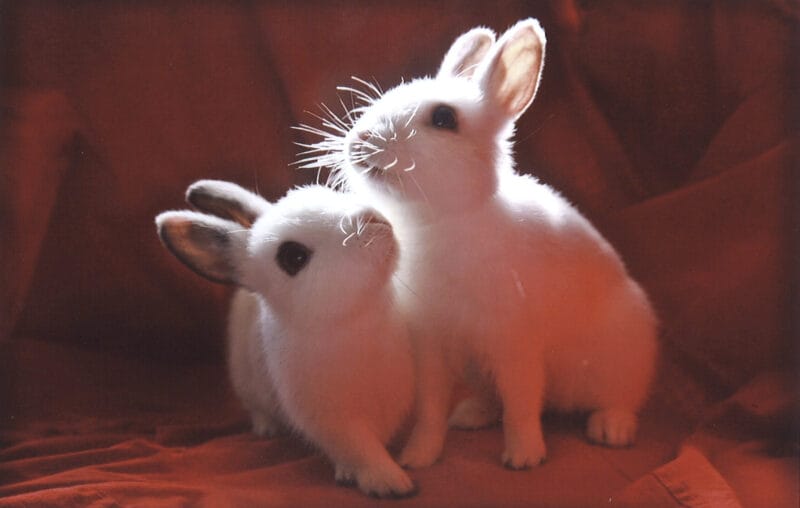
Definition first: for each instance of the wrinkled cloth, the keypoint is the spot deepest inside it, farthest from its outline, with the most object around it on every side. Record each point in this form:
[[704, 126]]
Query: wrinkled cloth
[[672, 125]]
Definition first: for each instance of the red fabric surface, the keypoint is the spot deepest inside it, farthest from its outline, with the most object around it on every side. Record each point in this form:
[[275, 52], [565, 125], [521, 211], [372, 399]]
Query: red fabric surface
[[160, 434], [673, 125]]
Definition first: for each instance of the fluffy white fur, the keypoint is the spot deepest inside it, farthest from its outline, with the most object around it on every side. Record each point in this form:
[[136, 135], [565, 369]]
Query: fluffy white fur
[[501, 272], [323, 351]]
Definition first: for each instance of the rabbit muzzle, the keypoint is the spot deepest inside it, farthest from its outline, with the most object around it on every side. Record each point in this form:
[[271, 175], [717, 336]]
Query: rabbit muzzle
[[373, 153]]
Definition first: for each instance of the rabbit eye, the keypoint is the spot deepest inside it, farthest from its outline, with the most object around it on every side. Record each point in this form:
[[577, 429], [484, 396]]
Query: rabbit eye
[[444, 117], [293, 257]]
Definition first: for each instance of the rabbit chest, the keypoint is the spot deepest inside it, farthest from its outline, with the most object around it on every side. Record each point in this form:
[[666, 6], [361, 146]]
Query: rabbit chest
[[502, 270]]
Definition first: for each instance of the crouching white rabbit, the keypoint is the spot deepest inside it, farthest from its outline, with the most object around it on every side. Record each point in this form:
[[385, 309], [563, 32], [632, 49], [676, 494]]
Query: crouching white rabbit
[[503, 273], [315, 341]]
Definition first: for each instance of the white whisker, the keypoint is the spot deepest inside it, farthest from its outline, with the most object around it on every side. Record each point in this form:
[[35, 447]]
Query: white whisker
[[322, 146], [413, 114], [347, 239], [376, 134], [392, 164], [369, 145], [349, 113], [372, 86], [311, 130], [414, 180], [359, 94], [335, 119], [402, 184], [341, 224], [378, 85]]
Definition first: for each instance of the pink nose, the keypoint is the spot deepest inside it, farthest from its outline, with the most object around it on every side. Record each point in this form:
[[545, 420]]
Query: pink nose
[[363, 136]]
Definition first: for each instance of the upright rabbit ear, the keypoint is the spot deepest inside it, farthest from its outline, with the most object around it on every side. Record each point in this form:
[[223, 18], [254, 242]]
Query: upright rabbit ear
[[210, 246], [227, 201], [466, 53], [509, 75]]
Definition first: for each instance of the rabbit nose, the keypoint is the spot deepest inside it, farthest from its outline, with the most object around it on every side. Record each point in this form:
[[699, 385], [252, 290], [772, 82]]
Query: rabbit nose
[[360, 140], [370, 217]]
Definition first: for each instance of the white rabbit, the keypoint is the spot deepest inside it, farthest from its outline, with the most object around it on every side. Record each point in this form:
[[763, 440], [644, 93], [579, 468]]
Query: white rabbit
[[502, 272], [247, 366], [316, 341]]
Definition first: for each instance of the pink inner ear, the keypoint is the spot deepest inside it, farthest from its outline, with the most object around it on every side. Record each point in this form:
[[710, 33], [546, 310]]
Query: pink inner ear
[[201, 246], [466, 53], [512, 76]]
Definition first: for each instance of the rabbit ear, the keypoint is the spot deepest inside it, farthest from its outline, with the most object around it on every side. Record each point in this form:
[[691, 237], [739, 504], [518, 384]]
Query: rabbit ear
[[466, 53], [509, 75], [227, 201], [208, 245]]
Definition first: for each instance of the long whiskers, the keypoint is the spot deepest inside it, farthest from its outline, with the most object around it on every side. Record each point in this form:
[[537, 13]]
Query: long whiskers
[[404, 284], [331, 150], [392, 164], [374, 87], [345, 229], [412, 115], [355, 93], [419, 187], [347, 238], [401, 183]]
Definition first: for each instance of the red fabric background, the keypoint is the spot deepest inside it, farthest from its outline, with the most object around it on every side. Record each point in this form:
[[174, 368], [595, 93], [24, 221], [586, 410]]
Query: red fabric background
[[672, 125]]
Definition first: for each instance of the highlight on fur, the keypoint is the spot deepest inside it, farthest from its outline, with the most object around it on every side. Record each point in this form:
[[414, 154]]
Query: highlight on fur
[[315, 340], [502, 277]]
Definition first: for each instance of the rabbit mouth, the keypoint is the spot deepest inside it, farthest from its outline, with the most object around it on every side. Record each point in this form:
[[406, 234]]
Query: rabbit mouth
[[363, 161], [371, 171], [364, 224], [370, 160]]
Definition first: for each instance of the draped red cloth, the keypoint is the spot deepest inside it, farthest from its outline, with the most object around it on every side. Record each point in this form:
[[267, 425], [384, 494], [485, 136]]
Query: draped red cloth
[[672, 125]]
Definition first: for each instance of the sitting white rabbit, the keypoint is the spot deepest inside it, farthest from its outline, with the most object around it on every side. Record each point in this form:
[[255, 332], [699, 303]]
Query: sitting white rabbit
[[315, 341], [502, 273]]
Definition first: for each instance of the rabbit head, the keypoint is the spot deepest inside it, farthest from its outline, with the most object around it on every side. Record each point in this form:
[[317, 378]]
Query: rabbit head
[[314, 254], [440, 142]]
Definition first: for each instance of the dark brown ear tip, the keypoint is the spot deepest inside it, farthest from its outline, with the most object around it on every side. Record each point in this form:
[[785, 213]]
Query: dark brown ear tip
[[225, 200], [163, 235], [164, 222], [198, 187], [198, 194]]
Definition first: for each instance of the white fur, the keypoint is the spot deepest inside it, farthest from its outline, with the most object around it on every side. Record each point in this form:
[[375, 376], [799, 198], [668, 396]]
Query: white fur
[[247, 364], [324, 351], [502, 272]]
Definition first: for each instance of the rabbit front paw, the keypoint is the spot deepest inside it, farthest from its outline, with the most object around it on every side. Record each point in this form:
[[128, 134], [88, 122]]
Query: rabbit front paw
[[265, 425], [345, 476], [474, 413], [612, 427], [388, 481], [524, 455], [421, 451]]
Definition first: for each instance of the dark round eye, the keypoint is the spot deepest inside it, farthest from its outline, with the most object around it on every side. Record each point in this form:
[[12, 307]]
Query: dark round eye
[[444, 117], [293, 257]]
